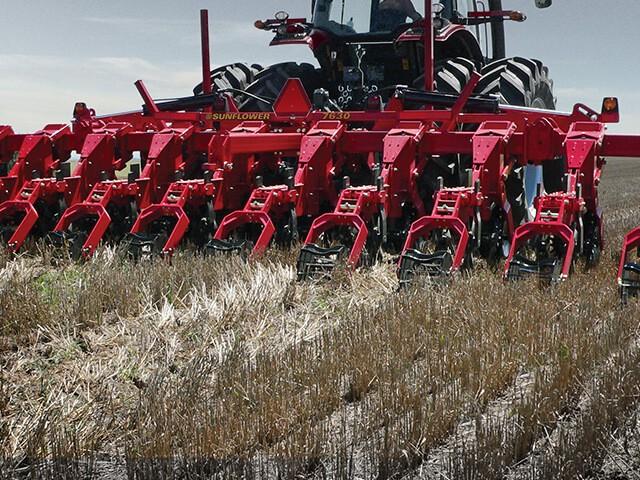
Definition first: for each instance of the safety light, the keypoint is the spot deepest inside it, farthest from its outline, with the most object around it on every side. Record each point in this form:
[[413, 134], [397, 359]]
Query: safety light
[[79, 108], [610, 104], [610, 110], [517, 16], [260, 25]]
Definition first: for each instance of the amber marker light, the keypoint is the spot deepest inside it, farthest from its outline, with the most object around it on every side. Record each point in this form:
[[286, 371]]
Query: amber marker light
[[610, 104]]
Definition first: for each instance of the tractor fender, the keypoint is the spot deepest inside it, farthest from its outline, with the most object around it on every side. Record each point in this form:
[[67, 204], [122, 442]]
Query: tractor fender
[[457, 41]]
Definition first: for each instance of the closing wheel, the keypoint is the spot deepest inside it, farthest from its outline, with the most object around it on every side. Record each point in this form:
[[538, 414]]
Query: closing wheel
[[243, 248], [68, 243], [76, 244], [145, 246], [316, 262], [541, 258], [432, 258], [630, 282], [335, 246], [416, 264]]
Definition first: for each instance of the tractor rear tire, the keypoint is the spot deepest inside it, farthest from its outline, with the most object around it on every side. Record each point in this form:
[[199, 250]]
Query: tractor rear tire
[[237, 76], [452, 75], [268, 84], [518, 81]]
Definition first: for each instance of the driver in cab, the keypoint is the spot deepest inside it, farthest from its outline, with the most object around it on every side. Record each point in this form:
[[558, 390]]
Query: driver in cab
[[393, 13]]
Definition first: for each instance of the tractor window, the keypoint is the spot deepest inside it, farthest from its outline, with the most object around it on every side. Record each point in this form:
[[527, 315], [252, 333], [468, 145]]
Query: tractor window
[[349, 17], [390, 14]]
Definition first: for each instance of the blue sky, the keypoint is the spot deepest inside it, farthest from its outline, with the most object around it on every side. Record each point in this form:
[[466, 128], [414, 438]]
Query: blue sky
[[53, 53]]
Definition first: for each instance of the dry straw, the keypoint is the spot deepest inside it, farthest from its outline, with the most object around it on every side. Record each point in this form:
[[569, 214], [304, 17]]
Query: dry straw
[[217, 368]]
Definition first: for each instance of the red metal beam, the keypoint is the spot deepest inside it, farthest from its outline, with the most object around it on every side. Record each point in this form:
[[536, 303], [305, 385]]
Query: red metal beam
[[616, 145]]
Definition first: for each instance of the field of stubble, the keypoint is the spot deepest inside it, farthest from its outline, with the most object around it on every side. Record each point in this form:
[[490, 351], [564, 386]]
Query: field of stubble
[[220, 369]]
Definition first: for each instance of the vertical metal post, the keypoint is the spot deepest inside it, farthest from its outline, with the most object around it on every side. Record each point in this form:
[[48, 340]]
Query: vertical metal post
[[428, 45], [206, 56], [497, 32]]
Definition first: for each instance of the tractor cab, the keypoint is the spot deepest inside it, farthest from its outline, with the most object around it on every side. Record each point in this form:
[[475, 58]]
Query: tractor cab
[[377, 17], [349, 18], [368, 46]]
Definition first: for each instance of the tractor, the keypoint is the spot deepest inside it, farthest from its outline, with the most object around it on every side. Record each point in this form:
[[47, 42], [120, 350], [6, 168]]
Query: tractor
[[365, 51], [363, 56]]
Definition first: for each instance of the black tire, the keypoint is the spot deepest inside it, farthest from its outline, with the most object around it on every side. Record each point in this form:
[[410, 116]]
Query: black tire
[[523, 82], [452, 75], [236, 75], [518, 81], [269, 82]]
